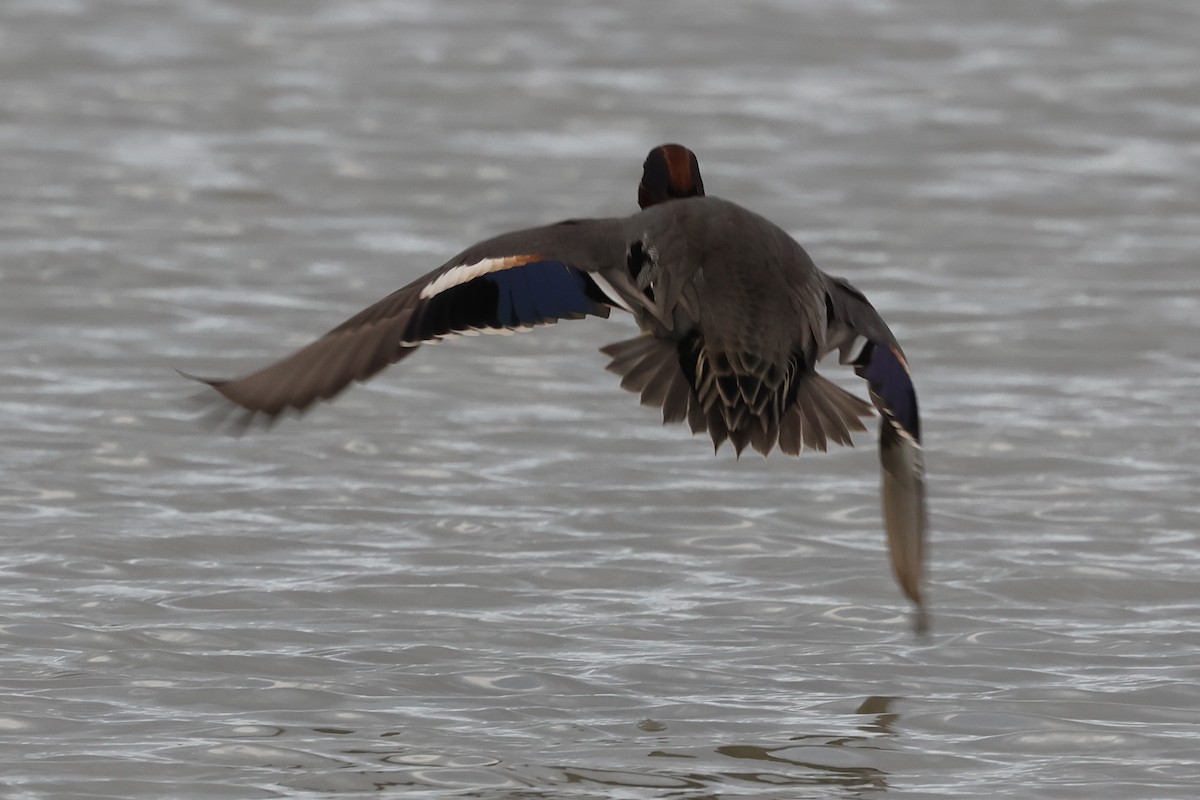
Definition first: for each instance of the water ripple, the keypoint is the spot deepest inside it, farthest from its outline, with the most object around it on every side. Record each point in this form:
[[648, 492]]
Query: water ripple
[[493, 574]]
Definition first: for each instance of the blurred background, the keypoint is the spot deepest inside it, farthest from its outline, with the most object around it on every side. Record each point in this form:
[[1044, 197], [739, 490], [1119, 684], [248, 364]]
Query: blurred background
[[490, 573]]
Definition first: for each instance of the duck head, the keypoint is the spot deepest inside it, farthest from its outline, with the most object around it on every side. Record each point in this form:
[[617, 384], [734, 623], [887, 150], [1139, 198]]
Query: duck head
[[670, 172]]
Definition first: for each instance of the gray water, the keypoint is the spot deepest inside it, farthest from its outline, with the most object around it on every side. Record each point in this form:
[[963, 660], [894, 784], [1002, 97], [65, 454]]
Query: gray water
[[490, 573]]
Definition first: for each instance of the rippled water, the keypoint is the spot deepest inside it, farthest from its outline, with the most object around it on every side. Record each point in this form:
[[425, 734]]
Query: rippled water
[[491, 573]]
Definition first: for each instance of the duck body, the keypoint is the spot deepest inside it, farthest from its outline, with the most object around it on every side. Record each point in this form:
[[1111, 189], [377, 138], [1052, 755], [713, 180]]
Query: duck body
[[734, 318]]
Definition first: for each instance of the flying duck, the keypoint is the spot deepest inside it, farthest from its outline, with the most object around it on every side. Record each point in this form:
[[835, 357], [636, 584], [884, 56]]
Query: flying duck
[[734, 317]]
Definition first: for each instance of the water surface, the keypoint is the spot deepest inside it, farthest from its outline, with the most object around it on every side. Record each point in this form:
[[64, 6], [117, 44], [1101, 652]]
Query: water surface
[[490, 573]]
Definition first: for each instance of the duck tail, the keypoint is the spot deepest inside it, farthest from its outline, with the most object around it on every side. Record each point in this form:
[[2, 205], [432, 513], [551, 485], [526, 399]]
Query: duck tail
[[821, 412], [649, 366]]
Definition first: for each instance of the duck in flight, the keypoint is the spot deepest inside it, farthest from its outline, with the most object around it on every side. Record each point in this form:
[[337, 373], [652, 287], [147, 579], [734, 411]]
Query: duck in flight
[[734, 317]]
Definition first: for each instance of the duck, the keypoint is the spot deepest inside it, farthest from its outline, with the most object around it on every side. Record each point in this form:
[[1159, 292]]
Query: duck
[[733, 318]]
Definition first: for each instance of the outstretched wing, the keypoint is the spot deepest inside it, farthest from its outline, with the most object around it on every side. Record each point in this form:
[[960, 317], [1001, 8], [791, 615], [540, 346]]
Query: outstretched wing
[[511, 283], [864, 340]]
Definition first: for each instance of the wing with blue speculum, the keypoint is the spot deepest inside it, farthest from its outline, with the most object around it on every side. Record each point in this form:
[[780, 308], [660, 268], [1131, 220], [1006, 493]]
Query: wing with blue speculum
[[886, 372], [501, 295], [511, 283], [866, 342]]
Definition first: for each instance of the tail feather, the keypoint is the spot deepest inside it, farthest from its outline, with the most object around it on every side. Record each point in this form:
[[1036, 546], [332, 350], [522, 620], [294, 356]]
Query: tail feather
[[696, 418], [851, 410], [835, 427], [625, 355], [650, 367], [718, 429], [710, 392], [741, 435], [814, 427], [822, 411], [791, 432], [677, 401], [764, 436], [658, 385]]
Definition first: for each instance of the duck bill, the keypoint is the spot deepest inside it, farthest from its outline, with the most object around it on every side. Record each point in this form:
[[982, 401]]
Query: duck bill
[[904, 511]]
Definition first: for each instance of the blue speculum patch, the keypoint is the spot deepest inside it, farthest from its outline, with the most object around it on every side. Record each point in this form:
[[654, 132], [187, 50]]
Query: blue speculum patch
[[538, 292], [889, 379], [541, 291]]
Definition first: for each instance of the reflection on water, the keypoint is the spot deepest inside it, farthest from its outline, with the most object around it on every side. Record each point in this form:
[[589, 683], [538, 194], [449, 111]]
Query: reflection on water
[[842, 762], [822, 766], [390, 759], [885, 718]]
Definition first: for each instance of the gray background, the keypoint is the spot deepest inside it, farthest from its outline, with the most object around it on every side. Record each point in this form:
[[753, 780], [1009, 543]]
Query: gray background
[[491, 573]]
